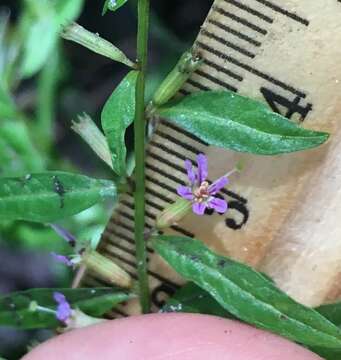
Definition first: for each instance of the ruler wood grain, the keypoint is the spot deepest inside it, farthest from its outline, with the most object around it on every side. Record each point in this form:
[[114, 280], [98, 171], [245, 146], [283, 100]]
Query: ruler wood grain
[[284, 211]]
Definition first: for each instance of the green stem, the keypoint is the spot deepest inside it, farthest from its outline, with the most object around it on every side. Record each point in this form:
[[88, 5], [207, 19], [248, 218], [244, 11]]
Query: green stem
[[47, 88], [139, 129]]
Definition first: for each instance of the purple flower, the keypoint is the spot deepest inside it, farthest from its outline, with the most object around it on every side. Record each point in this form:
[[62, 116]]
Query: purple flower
[[200, 192], [64, 310], [62, 259]]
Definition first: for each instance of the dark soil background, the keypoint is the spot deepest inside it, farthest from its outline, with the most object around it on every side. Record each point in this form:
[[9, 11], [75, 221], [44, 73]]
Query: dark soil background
[[88, 81]]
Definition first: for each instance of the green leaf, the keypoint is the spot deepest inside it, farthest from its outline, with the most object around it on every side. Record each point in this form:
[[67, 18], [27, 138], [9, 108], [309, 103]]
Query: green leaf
[[193, 299], [17, 152], [247, 294], [7, 105], [40, 27], [332, 312], [50, 196], [47, 86], [39, 43], [228, 120], [15, 311], [112, 5], [117, 114], [9, 52], [327, 354]]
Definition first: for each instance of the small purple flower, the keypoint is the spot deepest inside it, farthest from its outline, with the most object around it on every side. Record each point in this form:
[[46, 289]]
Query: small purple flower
[[200, 192], [64, 310]]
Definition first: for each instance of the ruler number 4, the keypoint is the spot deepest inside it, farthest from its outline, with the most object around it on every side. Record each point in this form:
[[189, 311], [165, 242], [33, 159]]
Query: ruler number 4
[[278, 102]]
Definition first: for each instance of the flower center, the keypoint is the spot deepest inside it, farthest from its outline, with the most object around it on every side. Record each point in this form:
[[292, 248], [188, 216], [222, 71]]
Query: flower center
[[201, 193]]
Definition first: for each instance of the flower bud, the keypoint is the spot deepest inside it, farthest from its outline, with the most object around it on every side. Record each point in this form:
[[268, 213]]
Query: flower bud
[[95, 43], [187, 64], [173, 213], [106, 269]]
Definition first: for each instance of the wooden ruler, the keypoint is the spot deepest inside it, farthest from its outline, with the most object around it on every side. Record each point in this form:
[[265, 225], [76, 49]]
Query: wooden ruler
[[283, 211]]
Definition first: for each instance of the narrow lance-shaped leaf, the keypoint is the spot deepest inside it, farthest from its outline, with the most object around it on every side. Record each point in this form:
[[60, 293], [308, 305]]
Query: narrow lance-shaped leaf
[[9, 53], [193, 299], [332, 312], [112, 5], [15, 308], [228, 120], [246, 293], [49, 196], [47, 87], [40, 26], [327, 354], [117, 114]]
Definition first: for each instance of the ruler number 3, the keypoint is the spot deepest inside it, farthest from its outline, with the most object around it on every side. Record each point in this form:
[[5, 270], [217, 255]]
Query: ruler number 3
[[292, 106], [234, 206]]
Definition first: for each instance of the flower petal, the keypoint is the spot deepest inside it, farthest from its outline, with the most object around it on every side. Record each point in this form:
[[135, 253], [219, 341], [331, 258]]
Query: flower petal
[[185, 192], [199, 208], [64, 310], [59, 297], [190, 171], [219, 205], [218, 185], [62, 259], [65, 234], [202, 168]]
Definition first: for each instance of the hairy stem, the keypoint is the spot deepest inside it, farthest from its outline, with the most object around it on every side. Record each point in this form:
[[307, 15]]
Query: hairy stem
[[139, 127]]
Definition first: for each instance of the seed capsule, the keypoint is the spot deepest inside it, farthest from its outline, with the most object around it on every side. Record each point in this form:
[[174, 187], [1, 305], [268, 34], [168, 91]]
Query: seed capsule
[[173, 213], [92, 135], [106, 269], [187, 64]]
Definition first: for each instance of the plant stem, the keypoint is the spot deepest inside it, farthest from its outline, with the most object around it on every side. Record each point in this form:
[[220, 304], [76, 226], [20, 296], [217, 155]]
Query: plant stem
[[47, 88], [139, 129]]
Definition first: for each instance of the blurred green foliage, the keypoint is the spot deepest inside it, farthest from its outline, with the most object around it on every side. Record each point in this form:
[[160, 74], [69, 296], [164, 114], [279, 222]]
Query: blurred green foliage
[[44, 83], [27, 139], [30, 50]]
